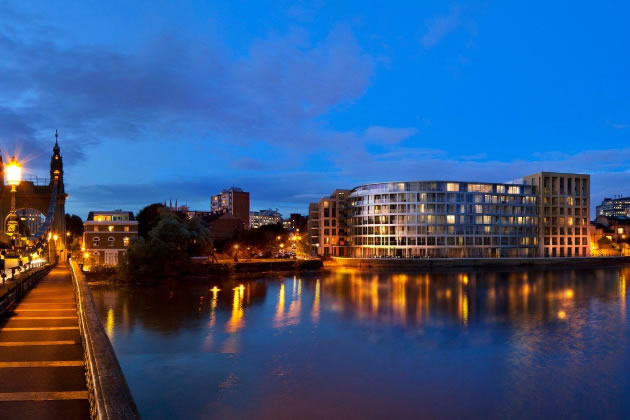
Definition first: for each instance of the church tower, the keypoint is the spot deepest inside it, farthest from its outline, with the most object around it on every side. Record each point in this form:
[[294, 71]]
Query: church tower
[[56, 165]]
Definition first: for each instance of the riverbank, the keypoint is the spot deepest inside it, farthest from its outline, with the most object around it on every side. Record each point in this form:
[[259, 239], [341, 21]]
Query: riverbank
[[262, 266], [446, 264]]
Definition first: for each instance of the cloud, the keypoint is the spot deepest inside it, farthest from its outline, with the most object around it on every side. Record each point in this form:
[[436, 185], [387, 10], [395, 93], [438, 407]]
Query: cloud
[[439, 27], [172, 87], [388, 135], [295, 189]]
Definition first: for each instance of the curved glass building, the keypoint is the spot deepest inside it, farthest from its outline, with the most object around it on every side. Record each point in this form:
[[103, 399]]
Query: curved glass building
[[442, 219]]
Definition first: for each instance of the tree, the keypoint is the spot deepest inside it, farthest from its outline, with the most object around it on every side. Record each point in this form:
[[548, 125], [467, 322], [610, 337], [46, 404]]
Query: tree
[[148, 218], [167, 248], [74, 225]]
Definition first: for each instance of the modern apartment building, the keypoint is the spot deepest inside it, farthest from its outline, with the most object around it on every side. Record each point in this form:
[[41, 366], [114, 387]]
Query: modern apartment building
[[456, 219], [264, 217], [313, 227], [106, 236], [233, 201], [563, 213], [619, 206], [331, 225]]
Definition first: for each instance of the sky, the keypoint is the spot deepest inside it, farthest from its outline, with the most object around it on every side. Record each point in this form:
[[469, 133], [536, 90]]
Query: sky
[[159, 100]]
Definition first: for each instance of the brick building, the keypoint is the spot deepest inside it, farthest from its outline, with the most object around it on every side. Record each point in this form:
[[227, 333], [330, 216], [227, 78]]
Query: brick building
[[107, 234], [233, 201]]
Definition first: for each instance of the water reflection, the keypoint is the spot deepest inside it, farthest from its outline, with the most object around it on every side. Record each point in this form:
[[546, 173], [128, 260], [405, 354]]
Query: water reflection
[[390, 299], [300, 342]]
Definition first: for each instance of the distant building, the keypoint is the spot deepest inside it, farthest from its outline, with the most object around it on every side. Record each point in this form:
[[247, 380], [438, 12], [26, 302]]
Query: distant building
[[233, 201], [616, 229], [32, 219], [264, 217], [223, 225], [298, 222], [107, 234], [614, 207]]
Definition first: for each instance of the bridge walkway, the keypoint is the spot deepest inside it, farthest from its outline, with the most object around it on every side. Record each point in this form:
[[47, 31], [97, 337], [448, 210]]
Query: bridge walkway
[[42, 370]]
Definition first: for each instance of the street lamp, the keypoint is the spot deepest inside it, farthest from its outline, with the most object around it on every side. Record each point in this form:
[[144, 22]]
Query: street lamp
[[14, 177], [235, 252]]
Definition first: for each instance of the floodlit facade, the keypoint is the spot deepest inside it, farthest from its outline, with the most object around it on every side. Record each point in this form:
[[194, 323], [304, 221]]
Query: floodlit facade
[[563, 213], [544, 214], [330, 227], [614, 207], [106, 236], [313, 227], [443, 219]]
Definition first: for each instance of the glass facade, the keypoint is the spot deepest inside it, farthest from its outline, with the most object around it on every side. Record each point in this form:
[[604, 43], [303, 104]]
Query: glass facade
[[443, 219]]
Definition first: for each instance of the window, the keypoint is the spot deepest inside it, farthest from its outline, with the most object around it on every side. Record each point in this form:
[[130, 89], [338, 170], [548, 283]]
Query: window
[[110, 228], [514, 189], [501, 189], [451, 186], [95, 241], [95, 228], [110, 241], [450, 219], [126, 241], [126, 229]]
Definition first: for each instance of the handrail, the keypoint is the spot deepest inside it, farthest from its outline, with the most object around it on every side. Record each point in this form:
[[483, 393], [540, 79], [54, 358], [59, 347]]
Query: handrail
[[110, 397], [13, 291]]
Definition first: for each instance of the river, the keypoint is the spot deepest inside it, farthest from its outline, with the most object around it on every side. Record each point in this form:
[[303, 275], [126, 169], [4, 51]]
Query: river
[[355, 344]]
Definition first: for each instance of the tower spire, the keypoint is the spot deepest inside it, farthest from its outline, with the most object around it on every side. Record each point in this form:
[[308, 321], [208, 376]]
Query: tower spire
[[56, 137]]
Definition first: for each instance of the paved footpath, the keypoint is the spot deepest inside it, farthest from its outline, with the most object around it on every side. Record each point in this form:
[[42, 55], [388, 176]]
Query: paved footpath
[[42, 373]]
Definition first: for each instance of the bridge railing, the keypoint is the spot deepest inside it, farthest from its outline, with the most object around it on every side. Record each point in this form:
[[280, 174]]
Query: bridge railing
[[109, 393], [13, 290]]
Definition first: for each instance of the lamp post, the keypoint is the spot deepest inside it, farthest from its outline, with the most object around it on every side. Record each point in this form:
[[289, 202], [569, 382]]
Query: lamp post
[[235, 252], [14, 177], [55, 238]]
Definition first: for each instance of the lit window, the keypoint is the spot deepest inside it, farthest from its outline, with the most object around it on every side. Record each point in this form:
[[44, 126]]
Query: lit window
[[513, 189], [620, 231], [95, 228], [126, 228], [451, 186], [126, 241], [450, 219], [110, 228], [501, 189]]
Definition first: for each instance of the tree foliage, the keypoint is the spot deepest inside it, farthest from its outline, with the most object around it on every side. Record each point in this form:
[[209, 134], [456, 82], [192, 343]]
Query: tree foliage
[[74, 225], [148, 218], [166, 250]]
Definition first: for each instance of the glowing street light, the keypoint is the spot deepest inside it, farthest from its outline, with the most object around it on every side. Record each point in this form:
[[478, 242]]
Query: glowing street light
[[14, 173], [14, 177], [235, 252]]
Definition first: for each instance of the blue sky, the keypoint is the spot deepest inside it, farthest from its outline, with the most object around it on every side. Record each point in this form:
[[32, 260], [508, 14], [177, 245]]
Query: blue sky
[[159, 100]]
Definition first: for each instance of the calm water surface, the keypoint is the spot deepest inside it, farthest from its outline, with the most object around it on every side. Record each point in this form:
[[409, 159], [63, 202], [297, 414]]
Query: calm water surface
[[352, 344]]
